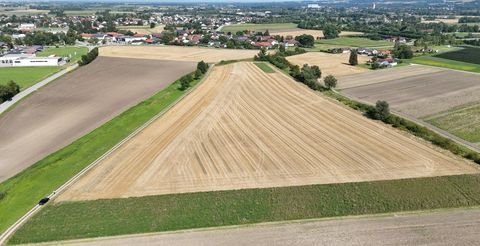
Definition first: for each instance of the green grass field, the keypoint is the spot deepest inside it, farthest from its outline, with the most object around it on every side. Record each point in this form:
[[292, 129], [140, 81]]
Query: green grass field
[[265, 67], [354, 42], [75, 53], [72, 220], [463, 122], [466, 54], [28, 76], [259, 27], [465, 34], [440, 62], [25, 189]]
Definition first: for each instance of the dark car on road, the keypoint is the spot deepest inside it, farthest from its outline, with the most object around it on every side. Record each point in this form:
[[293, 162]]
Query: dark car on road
[[43, 201]]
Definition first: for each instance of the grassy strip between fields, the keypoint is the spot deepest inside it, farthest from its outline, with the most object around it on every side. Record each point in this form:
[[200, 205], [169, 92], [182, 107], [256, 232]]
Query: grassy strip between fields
[[413, 128], [462, 121], [441, 62], [264, 67], [398, 122], [72, 220], [24, 190]]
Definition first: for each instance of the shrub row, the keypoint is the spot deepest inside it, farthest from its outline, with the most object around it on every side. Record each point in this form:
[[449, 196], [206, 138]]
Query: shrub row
[[7, 92], [413, 128], [308, 75], [202, 68], [89, 57]]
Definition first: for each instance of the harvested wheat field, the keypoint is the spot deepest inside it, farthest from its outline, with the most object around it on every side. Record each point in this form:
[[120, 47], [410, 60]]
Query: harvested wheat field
[[243, 128], [331, 64], [77, 103], [176, 53], [315, 33], [417, 91]]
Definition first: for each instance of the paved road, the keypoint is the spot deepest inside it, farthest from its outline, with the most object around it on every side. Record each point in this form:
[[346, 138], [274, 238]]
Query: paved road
[[6, 105], [454, 227]]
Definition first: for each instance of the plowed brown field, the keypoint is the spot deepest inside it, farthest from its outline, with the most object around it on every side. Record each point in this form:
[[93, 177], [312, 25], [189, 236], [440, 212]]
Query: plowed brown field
[[77, 103], [176, 53], [243, 128], [417, 90]]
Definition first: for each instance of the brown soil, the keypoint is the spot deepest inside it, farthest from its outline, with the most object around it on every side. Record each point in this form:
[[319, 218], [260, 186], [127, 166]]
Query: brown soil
[[418, 91], [77, 103]]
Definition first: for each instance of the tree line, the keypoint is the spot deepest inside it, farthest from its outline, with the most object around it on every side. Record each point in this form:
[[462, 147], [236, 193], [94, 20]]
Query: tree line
[[89, 57], [8, 91], [186, 80], [381, 111], [307, 75]]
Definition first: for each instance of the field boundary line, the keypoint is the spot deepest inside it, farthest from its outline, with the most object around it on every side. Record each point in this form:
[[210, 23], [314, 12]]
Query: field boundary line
[[445, 68], [435, 129], [37, 86], [9, 232]]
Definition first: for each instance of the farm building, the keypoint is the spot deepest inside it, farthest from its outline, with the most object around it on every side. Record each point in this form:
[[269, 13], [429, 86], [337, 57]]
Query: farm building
[[26, 60]]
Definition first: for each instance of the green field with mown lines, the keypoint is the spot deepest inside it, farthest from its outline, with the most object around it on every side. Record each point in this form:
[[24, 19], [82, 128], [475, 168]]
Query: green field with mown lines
[[82, 219], [463, 121]]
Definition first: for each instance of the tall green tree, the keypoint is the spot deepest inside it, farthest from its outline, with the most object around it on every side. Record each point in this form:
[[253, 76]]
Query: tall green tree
[[202, 67], [353, 60], [330, 82], [305, 40], [382, 110], [330, 31], [403, 51]]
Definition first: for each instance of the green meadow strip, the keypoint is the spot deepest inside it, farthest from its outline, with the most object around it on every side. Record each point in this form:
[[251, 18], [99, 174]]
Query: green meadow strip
[[87, 219]]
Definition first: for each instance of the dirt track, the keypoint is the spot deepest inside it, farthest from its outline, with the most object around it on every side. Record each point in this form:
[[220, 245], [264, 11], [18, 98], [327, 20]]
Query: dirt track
[[243, 128], [176, 53], [330, 64], [438, 228], [77, 103], [417, 91]]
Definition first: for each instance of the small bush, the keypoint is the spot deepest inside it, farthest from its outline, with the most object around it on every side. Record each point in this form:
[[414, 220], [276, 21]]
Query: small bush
[[7, 92]]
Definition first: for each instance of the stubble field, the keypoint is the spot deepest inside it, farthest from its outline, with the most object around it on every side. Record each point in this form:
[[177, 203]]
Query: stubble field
[[330, 64], [176, 53], [243, 128]]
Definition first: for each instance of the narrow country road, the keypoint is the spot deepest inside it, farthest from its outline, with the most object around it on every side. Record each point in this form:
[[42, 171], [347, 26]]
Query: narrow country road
[[452, 227]]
